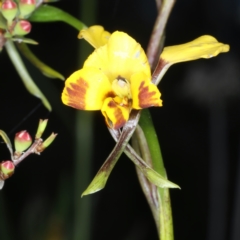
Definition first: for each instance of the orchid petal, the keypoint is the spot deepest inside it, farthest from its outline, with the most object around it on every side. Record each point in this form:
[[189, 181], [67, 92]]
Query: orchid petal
[[95, 35], [202, 47], [115, 114], [122, 55], [144, 93], [86, 89]]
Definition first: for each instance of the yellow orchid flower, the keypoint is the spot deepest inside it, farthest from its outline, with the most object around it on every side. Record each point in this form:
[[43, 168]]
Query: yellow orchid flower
[[115, 78]]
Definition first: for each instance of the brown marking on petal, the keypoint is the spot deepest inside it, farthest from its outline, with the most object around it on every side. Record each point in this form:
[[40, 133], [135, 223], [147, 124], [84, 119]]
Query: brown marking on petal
[[120, 120], [110, 94], [112, 104], [76, 94], [118, 116], [145, 97]]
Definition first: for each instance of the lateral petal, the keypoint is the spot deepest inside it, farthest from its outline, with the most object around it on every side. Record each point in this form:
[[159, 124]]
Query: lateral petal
[[202, 47], [115, 115], [86, 89], [95, 35], [144, 93]]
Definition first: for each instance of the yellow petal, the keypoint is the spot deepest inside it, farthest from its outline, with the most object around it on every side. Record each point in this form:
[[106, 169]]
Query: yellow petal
[[95, 35], [202, 47], [121, 56], [115, 115], [86, 89], [144, 93]]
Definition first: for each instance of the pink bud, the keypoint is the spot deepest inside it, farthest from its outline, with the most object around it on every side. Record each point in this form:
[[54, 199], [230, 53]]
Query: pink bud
[[9, 4], [9, 10], [7, 169], [25, 25], [22, 141], [26, 7], [22, 27]]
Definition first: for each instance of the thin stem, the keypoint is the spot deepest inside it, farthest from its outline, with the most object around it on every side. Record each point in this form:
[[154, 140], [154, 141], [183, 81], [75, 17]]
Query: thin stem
[[151, 175], [83, 208], [159, 71], [122, 139], [32, 149], [140, 145], [166, 225], [156, 39]]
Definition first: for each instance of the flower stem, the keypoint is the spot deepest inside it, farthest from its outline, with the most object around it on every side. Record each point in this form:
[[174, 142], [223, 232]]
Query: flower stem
[[156, 40], [165, 227]]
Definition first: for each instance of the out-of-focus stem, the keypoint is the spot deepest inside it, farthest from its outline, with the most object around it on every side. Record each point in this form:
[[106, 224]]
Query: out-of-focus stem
[[156, 38], [83, 207]]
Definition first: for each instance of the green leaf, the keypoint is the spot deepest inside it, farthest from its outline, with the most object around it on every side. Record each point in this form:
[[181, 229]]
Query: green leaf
[[157, 179], [103, 174], [164, 224], [7, 141], [99, 181], [24, 40], [23, 73], [46, 70], [148, 172], [46, 13]]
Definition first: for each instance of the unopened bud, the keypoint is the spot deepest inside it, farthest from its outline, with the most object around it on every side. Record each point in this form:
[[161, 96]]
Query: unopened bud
[[22, 27], [22, 141], [26, 7], [41, 128], [7, 169], [9, 10]]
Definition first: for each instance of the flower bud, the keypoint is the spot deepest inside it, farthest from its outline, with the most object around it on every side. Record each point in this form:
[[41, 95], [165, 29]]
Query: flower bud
[[26, 7], [9, 10], [22, 141], [47, 142], [22, 27], [7, 169], [41, 128]]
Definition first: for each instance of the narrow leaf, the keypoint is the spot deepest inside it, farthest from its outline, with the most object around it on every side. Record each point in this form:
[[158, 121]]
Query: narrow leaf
[[23, 73], [149, 173], [46, 13], [7, 141], [24, 40], [103, 174], [46, 70]]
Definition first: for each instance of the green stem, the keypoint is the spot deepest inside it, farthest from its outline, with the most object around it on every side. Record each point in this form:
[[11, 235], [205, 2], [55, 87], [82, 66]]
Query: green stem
[[83, 207], [140, 145], [165, 215]]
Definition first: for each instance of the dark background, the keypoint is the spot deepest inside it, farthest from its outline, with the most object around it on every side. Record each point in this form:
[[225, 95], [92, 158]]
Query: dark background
[[198, 129]]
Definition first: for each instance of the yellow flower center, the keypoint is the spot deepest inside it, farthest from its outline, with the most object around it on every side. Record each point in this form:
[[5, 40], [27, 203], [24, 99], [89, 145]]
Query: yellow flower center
[[121, 87]]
